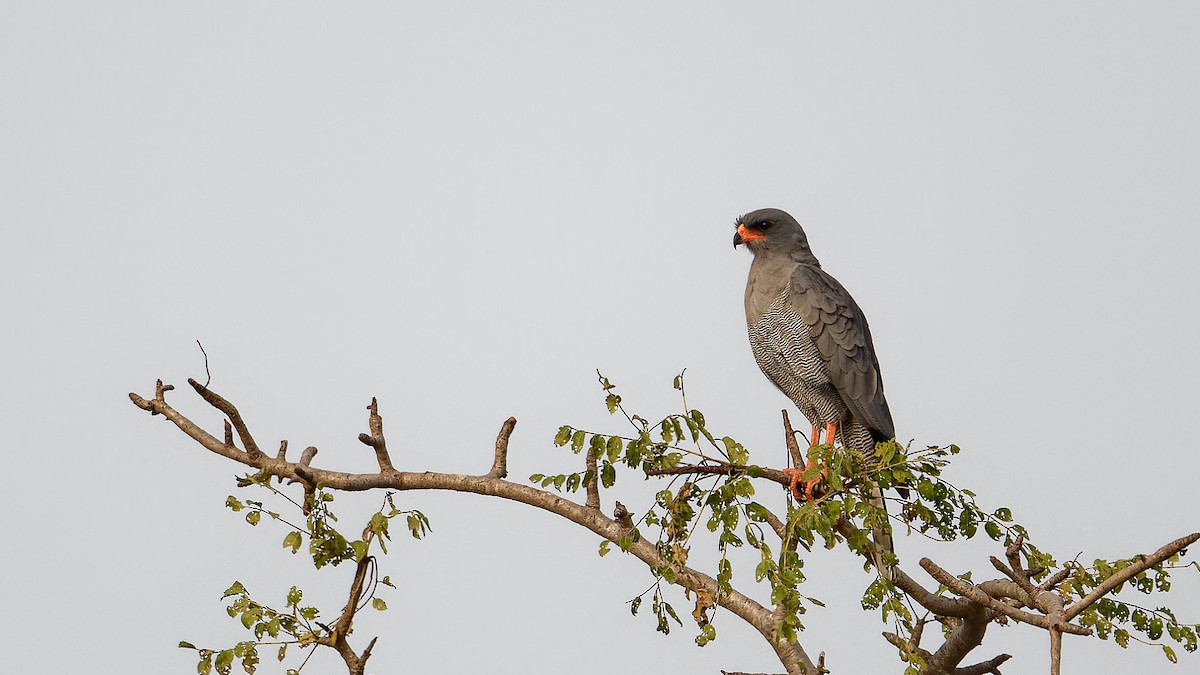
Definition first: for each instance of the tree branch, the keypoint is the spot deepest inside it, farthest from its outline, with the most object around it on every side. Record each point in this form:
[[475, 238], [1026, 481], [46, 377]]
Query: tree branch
[[500, 463], [376, 439], [1130, 572], [230, 411], [789, 435], [336, 639], [991, 666], [982, 597], [791, 654]]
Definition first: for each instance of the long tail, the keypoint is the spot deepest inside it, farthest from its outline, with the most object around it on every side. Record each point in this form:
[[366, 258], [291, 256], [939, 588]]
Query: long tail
[[880, 536], [859, 437]]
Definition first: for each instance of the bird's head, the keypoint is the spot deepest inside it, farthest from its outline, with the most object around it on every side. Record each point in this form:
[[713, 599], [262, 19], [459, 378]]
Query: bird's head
[[773, 231]]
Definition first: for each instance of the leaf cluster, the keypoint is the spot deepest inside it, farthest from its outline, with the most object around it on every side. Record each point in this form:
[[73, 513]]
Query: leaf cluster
[[296, 624]]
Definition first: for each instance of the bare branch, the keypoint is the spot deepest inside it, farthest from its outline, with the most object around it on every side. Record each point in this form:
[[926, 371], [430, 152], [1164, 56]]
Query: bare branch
[[230, 411], [1055, 579], [1017, 576], [964, 637], [376, 439], [500, 463], [789, 435], [934, 603], [907, 646], [1130, 572], [992, 666], [623, 517], [1055, 651], [978, 595]]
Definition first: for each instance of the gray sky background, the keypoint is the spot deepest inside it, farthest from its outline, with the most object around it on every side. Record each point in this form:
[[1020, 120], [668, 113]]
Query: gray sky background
[[465, 209]]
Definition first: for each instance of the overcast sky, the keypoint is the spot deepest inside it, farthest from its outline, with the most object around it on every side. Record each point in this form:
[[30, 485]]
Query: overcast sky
[[465, 209]]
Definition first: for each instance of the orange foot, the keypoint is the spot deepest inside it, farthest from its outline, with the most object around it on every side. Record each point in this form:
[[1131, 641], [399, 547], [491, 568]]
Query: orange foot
[[795, 481]]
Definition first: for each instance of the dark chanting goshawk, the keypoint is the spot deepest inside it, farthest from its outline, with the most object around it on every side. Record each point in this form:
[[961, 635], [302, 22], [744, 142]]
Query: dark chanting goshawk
[[811, 340]]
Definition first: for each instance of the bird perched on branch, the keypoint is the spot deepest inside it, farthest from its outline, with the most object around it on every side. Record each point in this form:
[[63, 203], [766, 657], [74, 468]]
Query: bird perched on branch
[[811, 340]]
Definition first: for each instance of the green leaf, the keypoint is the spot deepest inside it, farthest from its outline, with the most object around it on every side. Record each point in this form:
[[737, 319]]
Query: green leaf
[[993, 530], [671, 611], [577, 440], [234, 503], [1170, 654], [604, 548], [612, 401], [379, 604], [293, 540], [360, 549], [186, 645], [224, 661], [614, 448], [253, 517], [563, 436], [608, 475], [236, 589], [379, 525], [1121, 637]]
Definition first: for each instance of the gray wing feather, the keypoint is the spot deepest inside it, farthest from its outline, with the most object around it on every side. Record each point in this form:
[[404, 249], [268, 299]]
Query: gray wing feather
[[842, 336]]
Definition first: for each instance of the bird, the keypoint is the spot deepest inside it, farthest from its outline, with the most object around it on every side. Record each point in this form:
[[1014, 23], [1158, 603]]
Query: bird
[[812, 341]]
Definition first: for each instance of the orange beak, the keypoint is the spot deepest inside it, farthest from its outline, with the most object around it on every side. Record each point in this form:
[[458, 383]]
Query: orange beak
[[745, 236]]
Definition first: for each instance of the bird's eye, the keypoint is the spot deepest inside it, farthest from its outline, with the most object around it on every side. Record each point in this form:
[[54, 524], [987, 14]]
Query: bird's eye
[[765, 225]]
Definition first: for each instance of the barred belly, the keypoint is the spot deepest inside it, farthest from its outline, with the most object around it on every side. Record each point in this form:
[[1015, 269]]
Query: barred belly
[[787, 355]]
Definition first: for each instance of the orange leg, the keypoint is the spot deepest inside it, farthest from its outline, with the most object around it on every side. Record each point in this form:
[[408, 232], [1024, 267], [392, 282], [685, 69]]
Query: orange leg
[[794, 479]]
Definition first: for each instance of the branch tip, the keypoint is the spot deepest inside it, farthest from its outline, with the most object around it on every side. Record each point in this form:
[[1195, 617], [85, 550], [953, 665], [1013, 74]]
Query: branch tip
[[500, 463], [376, 439]]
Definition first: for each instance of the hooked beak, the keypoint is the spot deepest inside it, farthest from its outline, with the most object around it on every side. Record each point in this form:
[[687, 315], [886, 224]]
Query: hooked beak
[[745, 236]]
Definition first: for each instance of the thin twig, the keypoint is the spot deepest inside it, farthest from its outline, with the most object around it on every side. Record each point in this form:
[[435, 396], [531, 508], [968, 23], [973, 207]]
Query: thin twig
[[207, 372]]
